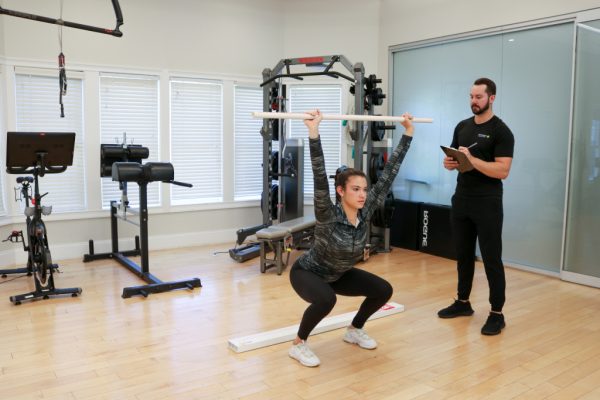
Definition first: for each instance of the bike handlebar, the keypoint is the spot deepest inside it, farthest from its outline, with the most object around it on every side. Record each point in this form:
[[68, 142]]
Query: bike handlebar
[[28, 170], [22, 179]]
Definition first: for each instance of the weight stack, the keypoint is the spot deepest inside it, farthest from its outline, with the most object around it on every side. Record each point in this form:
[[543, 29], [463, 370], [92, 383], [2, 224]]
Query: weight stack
[[292, 186], [435, 231]]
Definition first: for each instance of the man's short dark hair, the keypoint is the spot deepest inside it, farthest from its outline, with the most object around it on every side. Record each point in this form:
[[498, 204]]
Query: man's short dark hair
[[490, 86]]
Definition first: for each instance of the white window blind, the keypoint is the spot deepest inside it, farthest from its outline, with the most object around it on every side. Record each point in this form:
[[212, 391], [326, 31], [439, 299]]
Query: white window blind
[[248, 143], [129, 104], [3, 188], [38, 110], [328, 99], [197, 140]]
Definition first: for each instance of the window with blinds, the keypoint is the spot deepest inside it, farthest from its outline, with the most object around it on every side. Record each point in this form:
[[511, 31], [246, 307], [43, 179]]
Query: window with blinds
[[3, 191], [248, 143], [197, 140], [129, 108], [38, 110], [328, 99]]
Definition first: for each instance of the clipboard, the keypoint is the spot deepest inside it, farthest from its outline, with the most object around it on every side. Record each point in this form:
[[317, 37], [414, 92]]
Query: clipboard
[[464, 165]]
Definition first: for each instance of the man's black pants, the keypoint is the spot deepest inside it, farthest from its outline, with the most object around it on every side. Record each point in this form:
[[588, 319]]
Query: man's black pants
[[479, 218]]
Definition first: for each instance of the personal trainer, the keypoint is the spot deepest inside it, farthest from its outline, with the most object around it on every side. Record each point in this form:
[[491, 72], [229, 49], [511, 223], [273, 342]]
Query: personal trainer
[[477, 210]]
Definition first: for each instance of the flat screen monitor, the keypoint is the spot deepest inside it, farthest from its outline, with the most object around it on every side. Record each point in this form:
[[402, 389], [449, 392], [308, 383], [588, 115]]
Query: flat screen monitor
[[23, 148]]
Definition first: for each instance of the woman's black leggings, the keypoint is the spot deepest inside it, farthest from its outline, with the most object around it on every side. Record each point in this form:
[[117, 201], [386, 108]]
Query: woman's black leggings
[[322, 295]]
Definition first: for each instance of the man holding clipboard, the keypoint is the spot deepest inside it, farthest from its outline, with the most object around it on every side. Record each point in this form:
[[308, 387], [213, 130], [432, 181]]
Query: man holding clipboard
[[482, 151], [464, 165]]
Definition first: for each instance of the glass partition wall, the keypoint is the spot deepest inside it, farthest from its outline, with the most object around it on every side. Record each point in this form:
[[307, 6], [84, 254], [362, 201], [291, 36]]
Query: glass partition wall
[[552, 223], [582, 244]]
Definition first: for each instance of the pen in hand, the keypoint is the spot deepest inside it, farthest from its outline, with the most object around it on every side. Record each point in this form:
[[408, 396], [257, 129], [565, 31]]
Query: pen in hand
[[473, 145]]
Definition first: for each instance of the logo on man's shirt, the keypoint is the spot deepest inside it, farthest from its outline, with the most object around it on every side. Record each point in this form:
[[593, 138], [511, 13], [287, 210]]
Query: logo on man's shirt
[[483, 135]]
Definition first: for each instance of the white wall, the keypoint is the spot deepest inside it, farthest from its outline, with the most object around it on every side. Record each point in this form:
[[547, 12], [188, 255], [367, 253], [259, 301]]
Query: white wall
[[405, 21], [226, 36], [2, 38], [347, 27]]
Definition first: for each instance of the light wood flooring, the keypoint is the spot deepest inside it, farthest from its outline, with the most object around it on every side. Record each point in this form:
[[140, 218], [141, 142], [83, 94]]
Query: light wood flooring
[[174, 345]]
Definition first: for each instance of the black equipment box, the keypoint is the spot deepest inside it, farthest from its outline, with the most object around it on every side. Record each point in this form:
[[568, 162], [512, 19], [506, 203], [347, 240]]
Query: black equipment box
[[404, 230], [435, 231], [422, 226]]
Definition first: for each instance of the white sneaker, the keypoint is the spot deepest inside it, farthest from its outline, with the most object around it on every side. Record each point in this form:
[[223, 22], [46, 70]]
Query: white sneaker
[[304, 355], [359, 337]]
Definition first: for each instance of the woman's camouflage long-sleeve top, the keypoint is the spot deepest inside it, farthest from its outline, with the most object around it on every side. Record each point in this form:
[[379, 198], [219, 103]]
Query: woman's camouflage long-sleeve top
[[339, 245]]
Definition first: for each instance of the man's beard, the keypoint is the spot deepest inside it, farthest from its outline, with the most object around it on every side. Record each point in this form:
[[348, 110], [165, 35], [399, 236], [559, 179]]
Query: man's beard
[[478, 111]]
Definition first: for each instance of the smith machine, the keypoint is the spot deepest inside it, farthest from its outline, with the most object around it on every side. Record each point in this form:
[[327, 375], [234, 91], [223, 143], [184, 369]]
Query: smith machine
[[124, 164], [282, 193]]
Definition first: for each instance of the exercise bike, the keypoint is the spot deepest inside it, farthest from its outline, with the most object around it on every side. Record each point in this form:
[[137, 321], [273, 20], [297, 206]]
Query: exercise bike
[[23, 191], [38, 154]]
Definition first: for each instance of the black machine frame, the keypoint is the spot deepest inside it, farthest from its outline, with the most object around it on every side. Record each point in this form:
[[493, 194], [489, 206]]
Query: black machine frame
[[58, 21], [366, 96], [273, 128], [38, 153], [131, 155], [274, 100]]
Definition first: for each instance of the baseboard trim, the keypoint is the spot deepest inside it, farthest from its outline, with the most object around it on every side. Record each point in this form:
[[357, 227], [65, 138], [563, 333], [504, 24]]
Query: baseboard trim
[[17, 257]]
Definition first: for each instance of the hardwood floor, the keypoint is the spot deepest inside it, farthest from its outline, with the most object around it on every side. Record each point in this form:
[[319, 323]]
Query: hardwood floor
[[174, 345]]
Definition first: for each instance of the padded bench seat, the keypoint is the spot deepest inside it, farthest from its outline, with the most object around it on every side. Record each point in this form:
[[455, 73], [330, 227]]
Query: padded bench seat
[[279, 231], [277, 236], [273, 232]]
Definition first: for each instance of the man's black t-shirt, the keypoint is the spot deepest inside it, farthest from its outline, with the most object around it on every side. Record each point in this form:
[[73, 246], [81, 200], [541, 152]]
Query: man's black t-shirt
[[494, 139]]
